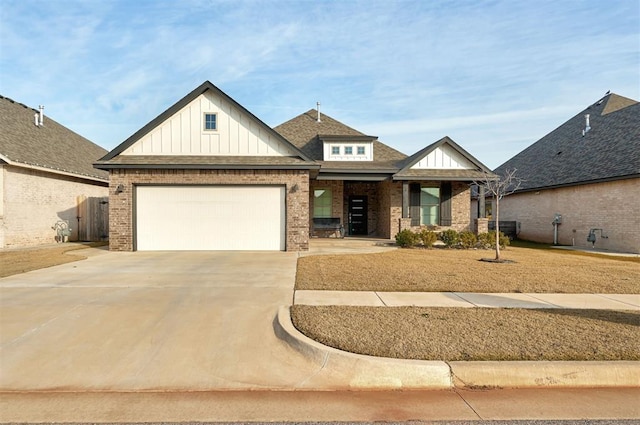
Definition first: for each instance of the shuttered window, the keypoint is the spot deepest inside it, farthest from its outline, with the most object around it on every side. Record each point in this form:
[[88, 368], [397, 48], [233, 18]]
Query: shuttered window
[[414, 203], [430, 205], [445, 204]]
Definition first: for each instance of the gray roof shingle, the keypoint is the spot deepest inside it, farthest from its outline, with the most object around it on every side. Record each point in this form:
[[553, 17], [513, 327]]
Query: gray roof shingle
[[306, 133], [610, 150], [51, 146]]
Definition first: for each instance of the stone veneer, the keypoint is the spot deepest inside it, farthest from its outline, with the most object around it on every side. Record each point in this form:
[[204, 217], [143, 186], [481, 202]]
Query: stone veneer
[[122, 208]]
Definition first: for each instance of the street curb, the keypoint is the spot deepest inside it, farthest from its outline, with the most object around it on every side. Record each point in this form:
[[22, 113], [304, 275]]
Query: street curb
[[368, 372], [545, 374], [363, 372]]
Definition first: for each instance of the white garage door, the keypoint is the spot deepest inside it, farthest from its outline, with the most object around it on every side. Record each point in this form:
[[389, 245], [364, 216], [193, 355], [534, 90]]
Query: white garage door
[[210, 218]]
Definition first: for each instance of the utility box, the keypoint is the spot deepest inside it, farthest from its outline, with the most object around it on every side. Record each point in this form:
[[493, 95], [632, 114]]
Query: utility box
[[557, 219]]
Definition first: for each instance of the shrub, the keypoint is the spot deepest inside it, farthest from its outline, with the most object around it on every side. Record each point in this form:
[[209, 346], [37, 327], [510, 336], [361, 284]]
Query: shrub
[[450, 238], [468, 239], [428, 238], [406, 238], [488, 240]]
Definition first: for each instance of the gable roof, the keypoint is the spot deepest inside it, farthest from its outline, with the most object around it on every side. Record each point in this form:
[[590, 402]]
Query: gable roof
[[113, 160], [610, 150], [309, 134], [406, 171], [51, 147]]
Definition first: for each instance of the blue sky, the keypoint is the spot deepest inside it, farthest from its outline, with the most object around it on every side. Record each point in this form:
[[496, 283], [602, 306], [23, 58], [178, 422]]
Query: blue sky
[[493, 75]]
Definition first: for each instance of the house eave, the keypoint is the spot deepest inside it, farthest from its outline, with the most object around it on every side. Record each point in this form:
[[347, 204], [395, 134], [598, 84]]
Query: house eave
[[580, 183], [439, 178], [371, 177], [113, 166], [65, 173]]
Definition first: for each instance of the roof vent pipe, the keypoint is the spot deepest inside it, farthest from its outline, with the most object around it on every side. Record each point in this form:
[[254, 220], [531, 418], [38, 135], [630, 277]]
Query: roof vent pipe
[[318, 109], [586, 125]]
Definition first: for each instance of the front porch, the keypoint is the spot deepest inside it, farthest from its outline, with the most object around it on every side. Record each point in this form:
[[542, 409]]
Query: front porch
[[381, 209], [348, 245]]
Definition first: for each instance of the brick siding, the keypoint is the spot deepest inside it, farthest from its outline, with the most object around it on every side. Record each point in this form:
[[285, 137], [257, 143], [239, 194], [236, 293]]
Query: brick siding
[[32, 201], [121, 205], [611, 206]]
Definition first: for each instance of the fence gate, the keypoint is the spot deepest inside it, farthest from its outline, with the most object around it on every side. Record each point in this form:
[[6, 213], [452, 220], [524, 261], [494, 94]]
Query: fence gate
[[93, 218]]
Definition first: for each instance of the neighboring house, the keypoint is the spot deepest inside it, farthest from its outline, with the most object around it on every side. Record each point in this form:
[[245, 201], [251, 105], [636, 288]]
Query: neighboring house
[[207, 174], [587, 172], [47, 180]]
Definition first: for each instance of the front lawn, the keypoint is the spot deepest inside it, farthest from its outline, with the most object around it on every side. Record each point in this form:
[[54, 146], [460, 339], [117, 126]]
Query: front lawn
[[453, 270]]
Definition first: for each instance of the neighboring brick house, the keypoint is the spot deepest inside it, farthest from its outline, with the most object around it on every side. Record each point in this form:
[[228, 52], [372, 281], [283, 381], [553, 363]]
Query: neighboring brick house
[[207, 174], [47, 176], [588, 172]]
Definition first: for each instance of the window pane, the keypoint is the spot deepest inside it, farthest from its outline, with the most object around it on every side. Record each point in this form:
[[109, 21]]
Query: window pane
[[322, 203], [348, 150], [335, 150], [360, 150], [430, 205], [210, 121]]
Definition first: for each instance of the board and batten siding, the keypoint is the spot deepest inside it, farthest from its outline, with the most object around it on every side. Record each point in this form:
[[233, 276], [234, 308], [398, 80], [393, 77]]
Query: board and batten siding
[[238, 134], [444, 157]]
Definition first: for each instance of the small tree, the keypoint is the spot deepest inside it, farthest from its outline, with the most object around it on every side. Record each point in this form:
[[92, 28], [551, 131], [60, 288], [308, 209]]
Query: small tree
[[499, 187]]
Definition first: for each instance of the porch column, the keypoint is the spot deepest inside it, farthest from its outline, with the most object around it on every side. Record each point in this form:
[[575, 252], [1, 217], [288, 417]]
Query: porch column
[[482, 210]]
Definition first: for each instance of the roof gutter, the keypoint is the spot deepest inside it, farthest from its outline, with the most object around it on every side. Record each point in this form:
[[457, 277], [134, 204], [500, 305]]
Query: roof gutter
[[56, 171], [114, 166]]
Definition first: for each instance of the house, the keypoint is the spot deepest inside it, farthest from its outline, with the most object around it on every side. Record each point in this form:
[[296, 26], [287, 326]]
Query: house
[[376, 190], [582, 181], [207, 174], [49, 189]]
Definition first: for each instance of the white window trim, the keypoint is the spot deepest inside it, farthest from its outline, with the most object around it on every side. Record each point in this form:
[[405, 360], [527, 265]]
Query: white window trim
[[204, 121]]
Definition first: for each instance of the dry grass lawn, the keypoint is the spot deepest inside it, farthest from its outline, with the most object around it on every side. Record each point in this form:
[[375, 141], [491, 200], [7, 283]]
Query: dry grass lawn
[[473, 333], [24, 260], [449, 270]]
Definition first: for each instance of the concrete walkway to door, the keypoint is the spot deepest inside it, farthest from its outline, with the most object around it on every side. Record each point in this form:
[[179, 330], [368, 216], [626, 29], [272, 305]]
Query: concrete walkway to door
[[130, 321]]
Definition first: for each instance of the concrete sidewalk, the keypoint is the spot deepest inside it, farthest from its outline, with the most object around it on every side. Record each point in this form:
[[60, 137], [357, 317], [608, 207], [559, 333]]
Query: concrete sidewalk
[[469, 299]]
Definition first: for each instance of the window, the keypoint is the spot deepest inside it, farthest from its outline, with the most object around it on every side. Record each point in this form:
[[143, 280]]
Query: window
[[335, 150], [322, 203], [360, 150], [430, 206], [348, 150], [210, 122]]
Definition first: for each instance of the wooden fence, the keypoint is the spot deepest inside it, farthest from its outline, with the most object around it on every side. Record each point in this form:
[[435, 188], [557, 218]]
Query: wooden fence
[[93, 218]]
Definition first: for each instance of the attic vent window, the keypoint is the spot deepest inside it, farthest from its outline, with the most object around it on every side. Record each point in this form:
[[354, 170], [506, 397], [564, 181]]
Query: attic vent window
[[335, 150], [360, 150], [348, 150], [210, 122]]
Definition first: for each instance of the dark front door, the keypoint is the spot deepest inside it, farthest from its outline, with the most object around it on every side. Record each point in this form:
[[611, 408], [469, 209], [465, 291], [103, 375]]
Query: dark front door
[[358, 215]]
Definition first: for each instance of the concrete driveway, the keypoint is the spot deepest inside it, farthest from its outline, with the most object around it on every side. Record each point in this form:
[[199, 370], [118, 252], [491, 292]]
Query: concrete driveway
[[151, 321]]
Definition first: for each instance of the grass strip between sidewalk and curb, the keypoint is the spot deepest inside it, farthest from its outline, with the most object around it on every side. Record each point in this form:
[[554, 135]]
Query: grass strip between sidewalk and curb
[[454, 334]]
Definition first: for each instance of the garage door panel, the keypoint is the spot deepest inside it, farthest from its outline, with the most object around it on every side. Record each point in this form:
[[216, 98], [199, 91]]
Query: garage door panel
[[210, 217]]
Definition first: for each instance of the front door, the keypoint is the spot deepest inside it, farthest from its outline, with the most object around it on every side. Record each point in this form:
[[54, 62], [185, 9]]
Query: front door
[[358, 215]]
